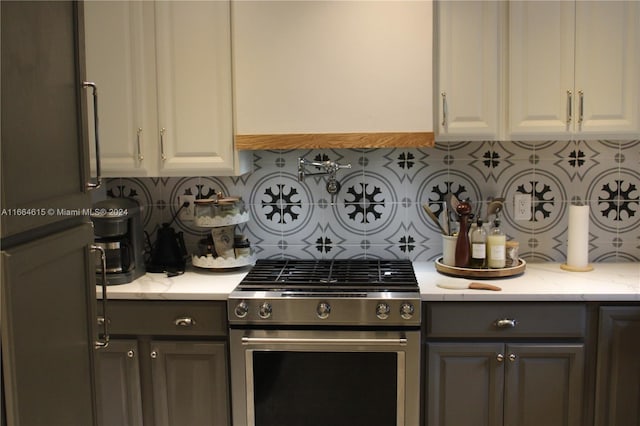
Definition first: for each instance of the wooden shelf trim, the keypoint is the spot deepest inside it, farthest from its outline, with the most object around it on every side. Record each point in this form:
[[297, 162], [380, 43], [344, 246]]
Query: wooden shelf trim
[[335, 140]]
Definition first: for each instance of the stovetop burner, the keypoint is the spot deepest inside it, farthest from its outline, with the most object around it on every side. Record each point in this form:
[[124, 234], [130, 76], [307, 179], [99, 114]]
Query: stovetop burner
[[337, 293], [331, 275]]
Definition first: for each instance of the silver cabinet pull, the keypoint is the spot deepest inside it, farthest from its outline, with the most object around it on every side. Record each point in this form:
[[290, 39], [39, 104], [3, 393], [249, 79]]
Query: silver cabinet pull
[[130, 354], [105, 323], [500, 357], [444, 109], [581, 107], [94, 88], [162, 154], [138, 133], [505, 323], [569, 106], [512, 357], [185, 322], [154, 354]]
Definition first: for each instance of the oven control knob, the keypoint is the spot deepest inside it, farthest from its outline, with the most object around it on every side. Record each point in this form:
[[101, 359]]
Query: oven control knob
[[265, 310], [406, 311], [242, 309], [323, 310], [382, 311]]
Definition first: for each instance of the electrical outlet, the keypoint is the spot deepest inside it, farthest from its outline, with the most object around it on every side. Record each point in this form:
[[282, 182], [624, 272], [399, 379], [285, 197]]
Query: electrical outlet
[[522, 206], [188, 212]]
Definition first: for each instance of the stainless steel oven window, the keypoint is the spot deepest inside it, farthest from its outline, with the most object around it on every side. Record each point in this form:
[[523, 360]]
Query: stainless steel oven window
[[403, 345]]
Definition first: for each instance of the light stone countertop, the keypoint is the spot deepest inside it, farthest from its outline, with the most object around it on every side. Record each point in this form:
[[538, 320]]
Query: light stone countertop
[[194, 284], [608, 282], [541, 282]]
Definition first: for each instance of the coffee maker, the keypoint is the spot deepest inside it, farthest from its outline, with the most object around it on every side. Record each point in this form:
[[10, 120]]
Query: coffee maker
[[118, 230]]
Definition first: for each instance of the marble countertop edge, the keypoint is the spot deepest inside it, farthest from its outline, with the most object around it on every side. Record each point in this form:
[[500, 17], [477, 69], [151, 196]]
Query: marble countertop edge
[[608, 282]]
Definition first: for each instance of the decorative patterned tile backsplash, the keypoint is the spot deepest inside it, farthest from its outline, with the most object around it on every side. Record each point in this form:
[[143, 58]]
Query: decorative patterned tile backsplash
[[378, 210]]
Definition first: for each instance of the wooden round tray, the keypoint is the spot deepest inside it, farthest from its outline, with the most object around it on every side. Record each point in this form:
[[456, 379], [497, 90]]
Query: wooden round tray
[[481, 273]]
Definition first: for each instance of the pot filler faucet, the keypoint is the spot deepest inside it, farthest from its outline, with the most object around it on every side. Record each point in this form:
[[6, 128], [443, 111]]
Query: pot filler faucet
[[327, 167]]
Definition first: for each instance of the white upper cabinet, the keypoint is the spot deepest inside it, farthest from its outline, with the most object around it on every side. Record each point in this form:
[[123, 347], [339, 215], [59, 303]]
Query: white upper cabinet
[[163, 71], [314, 67], [469, 71], [116, 61], [574, 69]]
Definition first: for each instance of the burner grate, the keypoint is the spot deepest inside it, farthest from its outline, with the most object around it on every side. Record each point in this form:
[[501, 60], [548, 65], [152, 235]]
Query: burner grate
[[374, 275]]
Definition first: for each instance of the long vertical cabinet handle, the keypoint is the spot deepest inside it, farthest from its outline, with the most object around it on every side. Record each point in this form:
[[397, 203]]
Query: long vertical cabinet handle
[[138, 137], [444, 109], [105, 327], [162, 154], [581, 107], [569, 106], [94, 89]]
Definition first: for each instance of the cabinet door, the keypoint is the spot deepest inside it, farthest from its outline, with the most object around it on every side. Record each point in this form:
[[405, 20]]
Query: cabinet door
[[190, 383], [118, 381], [332, 67], [48, 312], [618, 369], [541, 68], [120, 48], [607, 68], [465, 384], [468, 69], [544, 385], [43, 114], [194, 88]]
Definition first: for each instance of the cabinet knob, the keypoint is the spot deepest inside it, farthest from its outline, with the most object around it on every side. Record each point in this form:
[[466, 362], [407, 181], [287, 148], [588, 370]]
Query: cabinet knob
[[512, 357], [500, 357], [130, 354], [154, 354]]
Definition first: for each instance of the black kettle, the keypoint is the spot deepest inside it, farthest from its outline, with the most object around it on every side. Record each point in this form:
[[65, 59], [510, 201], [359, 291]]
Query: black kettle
[[168, 253]]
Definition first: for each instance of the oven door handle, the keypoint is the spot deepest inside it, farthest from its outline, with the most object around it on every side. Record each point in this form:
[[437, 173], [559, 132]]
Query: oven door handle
[[296, 340]]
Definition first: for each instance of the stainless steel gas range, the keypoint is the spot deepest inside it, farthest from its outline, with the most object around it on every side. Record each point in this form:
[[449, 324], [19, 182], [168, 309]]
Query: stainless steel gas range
[[316, 342]]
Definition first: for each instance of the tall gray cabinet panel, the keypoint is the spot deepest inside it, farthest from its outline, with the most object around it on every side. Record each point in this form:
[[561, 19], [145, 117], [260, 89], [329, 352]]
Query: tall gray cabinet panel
[[618, 367], [48, 272], [190, 383], [48, 295], [43, 114]]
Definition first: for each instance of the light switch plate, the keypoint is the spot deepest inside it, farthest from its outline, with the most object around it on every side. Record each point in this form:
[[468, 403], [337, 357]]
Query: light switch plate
[[522, 207]]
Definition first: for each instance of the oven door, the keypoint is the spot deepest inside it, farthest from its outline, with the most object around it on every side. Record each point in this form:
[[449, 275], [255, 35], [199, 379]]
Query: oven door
[[323, 377]]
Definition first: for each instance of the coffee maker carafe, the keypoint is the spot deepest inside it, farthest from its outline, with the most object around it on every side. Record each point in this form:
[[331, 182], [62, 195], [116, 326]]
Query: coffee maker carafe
[[118, 230]]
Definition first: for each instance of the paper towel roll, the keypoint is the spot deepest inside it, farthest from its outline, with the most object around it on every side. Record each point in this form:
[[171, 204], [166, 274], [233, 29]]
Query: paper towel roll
[[578, 239]]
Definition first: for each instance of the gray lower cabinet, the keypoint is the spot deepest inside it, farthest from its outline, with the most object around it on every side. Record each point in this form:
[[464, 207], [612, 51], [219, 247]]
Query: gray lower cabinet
[[47, 301], [166, 365], [618, 367], [189, 383], [118, 379], [490, 365]]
